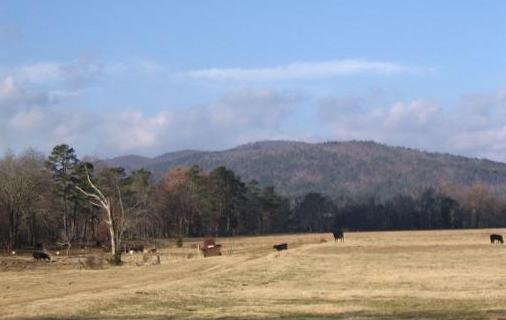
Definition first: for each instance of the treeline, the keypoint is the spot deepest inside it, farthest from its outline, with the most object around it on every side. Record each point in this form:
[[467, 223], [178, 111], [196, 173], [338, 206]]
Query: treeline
[[431, 208], [43, 199]]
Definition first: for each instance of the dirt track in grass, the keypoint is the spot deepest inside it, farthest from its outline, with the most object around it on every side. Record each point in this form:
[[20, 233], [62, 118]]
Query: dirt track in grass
[[372, 275]]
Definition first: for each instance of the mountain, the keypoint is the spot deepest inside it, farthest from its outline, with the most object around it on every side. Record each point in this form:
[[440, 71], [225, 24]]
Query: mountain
[[335, 168]]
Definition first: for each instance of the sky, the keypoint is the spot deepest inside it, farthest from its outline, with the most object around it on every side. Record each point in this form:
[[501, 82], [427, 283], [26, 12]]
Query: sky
[[147, 77]]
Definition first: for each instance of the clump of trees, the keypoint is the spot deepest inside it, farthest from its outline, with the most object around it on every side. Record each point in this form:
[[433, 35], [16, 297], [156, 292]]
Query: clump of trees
[[25, 200], [192, 202], [62, 200]]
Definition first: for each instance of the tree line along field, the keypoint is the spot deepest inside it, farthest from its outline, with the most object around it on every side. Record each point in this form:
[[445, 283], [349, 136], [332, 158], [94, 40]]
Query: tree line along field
[[52, 201], [454, 274]]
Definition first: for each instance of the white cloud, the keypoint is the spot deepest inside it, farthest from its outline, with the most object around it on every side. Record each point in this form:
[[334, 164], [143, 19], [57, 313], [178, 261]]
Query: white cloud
[[31, 113], [134, 131], [476, 126], [13, 97], [39, 72], [27, 120], [7, 87], [303, 70], [30, 118], [138, 67], [414, 115], [238, 117], [76, 73], [35, 114]]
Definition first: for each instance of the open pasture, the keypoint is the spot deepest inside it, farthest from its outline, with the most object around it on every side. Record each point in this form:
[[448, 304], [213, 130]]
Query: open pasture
[[372, 275]]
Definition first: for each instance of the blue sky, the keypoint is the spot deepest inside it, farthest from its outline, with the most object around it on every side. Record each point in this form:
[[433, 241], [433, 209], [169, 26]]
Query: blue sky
[[120, 77]]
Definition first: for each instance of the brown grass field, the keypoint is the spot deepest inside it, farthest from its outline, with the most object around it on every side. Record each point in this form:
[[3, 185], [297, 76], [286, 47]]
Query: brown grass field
[[372, 275]]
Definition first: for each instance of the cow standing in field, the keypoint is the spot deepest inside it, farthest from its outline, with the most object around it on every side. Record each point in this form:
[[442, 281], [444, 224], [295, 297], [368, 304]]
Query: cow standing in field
[[39, 255], [136, 248], [281, 246], [338, 235], [496, 238]]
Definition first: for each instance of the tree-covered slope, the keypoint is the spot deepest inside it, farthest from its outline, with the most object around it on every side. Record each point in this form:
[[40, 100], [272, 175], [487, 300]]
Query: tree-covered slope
[[336, 168]]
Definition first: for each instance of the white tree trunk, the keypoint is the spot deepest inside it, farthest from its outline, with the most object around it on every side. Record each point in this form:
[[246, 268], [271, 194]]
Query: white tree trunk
[[115, 227]]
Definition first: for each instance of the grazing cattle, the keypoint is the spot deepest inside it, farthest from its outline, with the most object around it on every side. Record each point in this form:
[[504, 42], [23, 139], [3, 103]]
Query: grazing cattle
[[496, 238], [39, 255], [281, 246], [338, 235], [134, 248]]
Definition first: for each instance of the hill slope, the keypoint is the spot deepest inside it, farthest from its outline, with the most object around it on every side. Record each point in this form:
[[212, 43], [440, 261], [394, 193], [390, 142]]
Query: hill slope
[[336, 168]]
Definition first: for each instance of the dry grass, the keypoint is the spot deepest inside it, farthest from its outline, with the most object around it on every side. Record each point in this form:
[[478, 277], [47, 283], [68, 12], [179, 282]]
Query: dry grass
[[407, 275]]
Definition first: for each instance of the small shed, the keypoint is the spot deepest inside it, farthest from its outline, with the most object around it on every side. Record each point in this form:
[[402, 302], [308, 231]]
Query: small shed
[[210, 248]]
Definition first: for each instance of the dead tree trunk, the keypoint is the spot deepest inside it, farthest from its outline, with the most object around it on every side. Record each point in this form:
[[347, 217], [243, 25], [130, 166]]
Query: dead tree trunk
[[114, 217]]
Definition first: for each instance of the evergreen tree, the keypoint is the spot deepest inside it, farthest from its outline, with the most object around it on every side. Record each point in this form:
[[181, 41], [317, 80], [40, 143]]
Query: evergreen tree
[[62, 162], [229, 198]]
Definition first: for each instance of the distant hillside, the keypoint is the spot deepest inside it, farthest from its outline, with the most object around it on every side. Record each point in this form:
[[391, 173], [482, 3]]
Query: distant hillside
[[334, 168]]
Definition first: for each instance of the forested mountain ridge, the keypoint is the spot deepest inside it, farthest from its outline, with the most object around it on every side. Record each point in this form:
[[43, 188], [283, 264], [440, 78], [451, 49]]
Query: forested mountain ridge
[[301, 187], [355, 168]]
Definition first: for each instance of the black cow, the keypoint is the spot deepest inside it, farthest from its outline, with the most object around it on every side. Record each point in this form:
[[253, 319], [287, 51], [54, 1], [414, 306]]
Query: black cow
[[39, 255], [496, 238], [281, 246], [338, 235]]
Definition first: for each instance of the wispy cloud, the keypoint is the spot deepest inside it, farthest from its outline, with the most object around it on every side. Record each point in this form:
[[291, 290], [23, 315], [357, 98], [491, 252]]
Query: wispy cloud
[[38, 107], [31, 116], [75, 73], [303, 70]]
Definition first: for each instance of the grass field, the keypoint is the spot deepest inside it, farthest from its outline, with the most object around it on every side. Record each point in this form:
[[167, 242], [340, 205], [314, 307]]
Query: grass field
[[387, 275]]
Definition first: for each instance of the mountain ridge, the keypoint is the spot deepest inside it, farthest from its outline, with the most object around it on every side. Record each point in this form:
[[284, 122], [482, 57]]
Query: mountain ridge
[[336, 168]]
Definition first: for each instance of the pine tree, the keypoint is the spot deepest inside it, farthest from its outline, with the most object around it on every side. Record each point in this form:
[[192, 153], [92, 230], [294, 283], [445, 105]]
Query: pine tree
[[61, 162]]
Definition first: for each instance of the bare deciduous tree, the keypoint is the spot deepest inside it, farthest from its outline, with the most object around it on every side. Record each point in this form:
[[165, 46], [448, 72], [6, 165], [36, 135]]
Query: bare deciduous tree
[[22, 188], [114, 215]]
